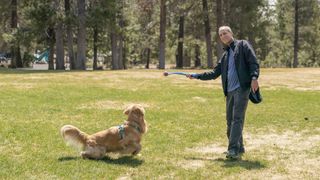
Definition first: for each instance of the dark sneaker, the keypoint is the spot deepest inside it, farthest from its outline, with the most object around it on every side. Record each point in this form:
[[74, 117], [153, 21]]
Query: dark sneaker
[[226, 152], [232, 155], [242, 151]]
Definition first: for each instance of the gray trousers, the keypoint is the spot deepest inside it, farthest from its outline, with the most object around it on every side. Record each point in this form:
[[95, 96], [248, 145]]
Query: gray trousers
[[237, 102]]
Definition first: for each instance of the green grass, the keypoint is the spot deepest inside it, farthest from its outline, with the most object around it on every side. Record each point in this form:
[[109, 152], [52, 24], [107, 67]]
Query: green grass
[[182, 114]]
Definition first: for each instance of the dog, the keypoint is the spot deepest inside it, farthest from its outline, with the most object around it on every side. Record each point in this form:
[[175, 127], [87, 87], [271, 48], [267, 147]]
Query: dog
[[124, 139]]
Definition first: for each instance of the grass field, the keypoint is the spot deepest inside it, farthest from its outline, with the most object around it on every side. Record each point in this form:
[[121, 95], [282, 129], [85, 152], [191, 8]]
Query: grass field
[[186, 118]]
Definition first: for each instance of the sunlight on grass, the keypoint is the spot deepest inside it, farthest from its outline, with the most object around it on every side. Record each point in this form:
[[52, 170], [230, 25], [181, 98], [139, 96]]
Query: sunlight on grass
[[186, 118]]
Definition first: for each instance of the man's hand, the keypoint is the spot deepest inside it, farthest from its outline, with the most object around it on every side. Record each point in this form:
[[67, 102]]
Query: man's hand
[[192, 76], [189, 76], [254, 85]]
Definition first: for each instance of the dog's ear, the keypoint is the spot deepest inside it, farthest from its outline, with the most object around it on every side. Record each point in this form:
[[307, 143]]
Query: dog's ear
[[127, 110], [144, 125]]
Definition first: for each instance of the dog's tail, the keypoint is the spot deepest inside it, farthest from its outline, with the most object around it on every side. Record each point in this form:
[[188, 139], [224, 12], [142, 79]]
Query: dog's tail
[[74, 137]]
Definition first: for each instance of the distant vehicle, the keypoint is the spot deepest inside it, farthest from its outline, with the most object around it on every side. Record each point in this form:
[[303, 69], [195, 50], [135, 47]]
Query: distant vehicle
[[3, 57]]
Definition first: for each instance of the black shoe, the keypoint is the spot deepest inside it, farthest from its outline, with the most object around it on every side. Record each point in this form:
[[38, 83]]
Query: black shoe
[[232, 155], [242, 151], [225, 152]]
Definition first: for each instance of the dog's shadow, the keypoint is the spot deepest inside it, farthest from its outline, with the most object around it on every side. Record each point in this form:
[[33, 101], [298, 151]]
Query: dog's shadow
[[125, 160], [247, 164]]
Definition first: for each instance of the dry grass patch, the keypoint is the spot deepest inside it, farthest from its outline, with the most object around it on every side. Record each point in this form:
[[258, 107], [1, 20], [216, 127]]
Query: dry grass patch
[[191, 164], [19, 85], [289, 155], [116, 105], [298, 79]]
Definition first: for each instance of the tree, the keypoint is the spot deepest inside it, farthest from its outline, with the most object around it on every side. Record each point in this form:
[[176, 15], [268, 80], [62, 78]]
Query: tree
[[15, 47], [80, 63], [207, 33], [130, 30], [114, 42], [219, 23], [121, 38], [183, 10], [296, 34], [117, 36], [162, 39], [179, 57], [146, 33], [59, 37], [41, 16], [69, 20], [307, 30]]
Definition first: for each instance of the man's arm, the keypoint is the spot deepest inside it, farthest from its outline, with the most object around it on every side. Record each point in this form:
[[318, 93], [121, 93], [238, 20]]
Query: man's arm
[[214, 74], [251, 59], [253, 65]]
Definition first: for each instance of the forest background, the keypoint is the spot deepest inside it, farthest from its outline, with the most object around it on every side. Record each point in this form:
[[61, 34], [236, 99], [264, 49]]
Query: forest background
[[110, 34]]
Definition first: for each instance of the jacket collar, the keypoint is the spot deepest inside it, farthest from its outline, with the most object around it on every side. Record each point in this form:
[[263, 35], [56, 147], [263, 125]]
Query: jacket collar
[[232, 45]]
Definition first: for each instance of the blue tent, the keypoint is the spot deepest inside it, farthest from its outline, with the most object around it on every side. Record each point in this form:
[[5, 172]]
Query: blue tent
[[43, 56]]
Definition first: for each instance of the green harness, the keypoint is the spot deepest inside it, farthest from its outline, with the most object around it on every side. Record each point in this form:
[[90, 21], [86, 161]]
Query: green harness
[[122, 132]]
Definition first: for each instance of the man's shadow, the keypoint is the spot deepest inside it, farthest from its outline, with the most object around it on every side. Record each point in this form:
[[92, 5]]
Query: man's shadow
[[247, 164], [125, 160]]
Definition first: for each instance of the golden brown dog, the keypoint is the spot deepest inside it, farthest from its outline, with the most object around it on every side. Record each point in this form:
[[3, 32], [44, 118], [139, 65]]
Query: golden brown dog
[[123, 139]]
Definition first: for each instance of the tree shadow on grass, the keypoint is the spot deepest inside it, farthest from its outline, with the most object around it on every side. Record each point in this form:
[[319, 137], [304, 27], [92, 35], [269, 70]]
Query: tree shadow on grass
[[23, 71], [125, 160], [247, 164]]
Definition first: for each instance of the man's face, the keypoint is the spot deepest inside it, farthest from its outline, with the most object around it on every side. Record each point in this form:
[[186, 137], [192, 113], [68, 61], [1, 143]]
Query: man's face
[[226, 37]]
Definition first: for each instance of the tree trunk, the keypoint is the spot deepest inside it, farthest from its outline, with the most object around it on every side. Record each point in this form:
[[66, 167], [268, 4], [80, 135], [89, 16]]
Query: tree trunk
[[51, 40], [15, 48], [115, 64], [186, 59], [197, 62], [179, 60], [207, 33], [120, 52], [95, 48], [18, 55], [219, 15], [81, 40], [59, 41], [14, 22], [125, 51], [59, 48], [162, 40], [148, 57], [69, 35], [226, 13], [121, 38], [296, 34]]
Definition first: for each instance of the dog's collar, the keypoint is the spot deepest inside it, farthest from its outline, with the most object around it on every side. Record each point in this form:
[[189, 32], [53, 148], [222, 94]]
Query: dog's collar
[[135, 126]]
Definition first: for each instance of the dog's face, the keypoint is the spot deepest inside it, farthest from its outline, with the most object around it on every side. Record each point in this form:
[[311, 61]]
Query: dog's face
[[136, 109], [136, 113]]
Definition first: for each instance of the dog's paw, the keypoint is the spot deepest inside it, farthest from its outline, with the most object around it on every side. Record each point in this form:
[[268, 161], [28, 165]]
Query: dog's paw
[[84, 155], [136, 153]]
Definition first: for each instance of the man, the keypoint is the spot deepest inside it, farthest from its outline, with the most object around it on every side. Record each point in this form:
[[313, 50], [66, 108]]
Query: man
[[239, 72]]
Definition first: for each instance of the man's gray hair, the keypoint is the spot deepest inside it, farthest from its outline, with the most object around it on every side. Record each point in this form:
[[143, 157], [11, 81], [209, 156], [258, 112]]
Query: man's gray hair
[[225, 28]]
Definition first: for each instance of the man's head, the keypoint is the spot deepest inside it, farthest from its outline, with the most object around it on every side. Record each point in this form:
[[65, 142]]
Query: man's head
[[226, 35]]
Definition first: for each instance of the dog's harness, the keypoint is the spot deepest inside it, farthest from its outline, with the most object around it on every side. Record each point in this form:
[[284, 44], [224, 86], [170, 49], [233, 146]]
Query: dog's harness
[[135, 127], [122, 132]]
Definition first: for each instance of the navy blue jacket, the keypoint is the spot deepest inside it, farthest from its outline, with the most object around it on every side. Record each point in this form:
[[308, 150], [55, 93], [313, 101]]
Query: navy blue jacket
[[245, 62]]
